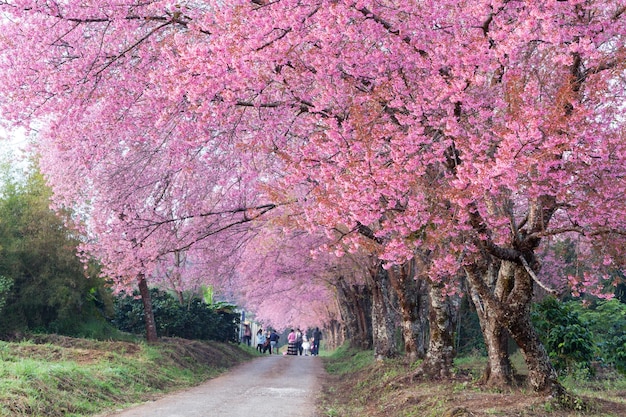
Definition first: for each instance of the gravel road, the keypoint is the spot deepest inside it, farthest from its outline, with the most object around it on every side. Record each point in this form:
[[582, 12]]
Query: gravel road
[[272, 385]]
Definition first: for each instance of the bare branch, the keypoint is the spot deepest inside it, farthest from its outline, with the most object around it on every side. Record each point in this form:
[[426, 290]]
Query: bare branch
[[133, 46], [534, 276], [406, 39], [580, 230]]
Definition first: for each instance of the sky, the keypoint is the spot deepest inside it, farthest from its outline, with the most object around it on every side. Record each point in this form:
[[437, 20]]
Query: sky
[[13, 148]]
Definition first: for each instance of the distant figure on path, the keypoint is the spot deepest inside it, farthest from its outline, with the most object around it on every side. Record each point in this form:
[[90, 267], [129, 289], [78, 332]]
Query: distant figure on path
[[292, 349], [267, 345], [299, 341], [317, 336], [260, 340], [274, 341], [306, 345], [247, 334]]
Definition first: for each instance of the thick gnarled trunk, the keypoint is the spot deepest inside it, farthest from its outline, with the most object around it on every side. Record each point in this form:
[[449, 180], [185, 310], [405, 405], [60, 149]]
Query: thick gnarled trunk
[[355, 307], [513, 313], [413, 302], [502, 280], [383, 315], [542, 376], [498, 371], [440, 355]]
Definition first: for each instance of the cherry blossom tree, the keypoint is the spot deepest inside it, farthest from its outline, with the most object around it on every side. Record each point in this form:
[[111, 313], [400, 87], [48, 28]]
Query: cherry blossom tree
[[281, 281], [145, 211]]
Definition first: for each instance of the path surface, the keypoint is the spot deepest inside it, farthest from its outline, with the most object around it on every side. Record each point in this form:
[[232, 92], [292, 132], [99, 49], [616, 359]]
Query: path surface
[[274, 385]]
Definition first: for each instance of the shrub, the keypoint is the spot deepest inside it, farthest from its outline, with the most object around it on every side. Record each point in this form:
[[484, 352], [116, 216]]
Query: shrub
[[568, 341], [194, 320], [5, 287], [607, 321]]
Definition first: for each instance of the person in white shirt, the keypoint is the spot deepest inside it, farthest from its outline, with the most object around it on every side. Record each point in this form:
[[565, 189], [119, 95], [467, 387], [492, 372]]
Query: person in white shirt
[[306, 345]]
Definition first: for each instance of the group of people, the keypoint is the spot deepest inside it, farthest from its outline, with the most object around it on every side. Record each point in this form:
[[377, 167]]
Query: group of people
[[297, 342], [267, 341]]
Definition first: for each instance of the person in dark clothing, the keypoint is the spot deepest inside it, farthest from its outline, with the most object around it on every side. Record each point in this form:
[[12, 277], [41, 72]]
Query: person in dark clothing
[[247, 334], [317, 336], [274, 341], [299, 341]]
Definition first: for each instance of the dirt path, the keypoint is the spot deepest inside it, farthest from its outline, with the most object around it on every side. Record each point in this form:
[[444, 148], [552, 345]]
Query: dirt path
[[272, 385]]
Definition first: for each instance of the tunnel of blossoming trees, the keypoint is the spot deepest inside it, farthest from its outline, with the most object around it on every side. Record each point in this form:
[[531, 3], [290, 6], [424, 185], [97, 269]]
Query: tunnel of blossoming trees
[[324, 160]]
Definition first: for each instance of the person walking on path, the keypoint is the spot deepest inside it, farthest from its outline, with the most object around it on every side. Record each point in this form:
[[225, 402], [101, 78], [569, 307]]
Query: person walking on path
[[306, 345], [274, 341], [247, 334], [299, 341], [291, 346], [267, 345], [317, 336], [260, 341]]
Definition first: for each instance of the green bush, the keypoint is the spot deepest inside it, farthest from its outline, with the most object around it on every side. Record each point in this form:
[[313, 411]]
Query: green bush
[[607, 321], [5, 287], [567, 339], [42, 281], [193, 320]]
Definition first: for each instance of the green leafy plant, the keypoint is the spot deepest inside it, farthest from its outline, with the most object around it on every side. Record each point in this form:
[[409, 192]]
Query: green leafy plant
[[568, 341], [5, 287], [194, 320], [607, 321]]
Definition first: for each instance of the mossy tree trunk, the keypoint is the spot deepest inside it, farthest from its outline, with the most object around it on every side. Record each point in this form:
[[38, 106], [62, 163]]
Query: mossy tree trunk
[[383, 314], [410, 293], [440, 354]]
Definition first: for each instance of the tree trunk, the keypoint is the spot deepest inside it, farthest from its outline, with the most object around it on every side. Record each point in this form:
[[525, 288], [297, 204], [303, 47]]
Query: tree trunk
[[148, 314], [423, 335], [542, 376], [440, 355], [408, 288], [498, 371], [383, 315], [513, 312], [355, 308], [334, 334]]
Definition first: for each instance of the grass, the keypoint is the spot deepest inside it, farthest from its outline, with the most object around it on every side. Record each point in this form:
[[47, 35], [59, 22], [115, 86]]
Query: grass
[[62, 376], [359, 386], [50, 375], [345, 360]]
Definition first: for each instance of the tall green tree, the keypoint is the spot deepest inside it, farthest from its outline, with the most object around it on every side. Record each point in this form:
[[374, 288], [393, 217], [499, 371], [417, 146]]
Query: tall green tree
[[50, 290]]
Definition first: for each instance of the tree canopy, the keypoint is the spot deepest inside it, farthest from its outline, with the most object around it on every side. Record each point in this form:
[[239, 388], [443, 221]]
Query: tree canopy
[[471, 132]]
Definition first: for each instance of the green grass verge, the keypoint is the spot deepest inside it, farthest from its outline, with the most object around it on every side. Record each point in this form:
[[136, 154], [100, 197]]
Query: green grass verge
[[61, 376], [345, 360]]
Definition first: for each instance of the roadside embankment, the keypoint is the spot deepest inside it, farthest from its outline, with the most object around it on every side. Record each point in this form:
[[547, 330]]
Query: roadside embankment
[[51, 375]]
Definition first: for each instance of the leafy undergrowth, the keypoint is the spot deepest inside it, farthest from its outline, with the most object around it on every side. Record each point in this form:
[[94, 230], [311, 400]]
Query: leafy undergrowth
[[50, 375], [357, 386]]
